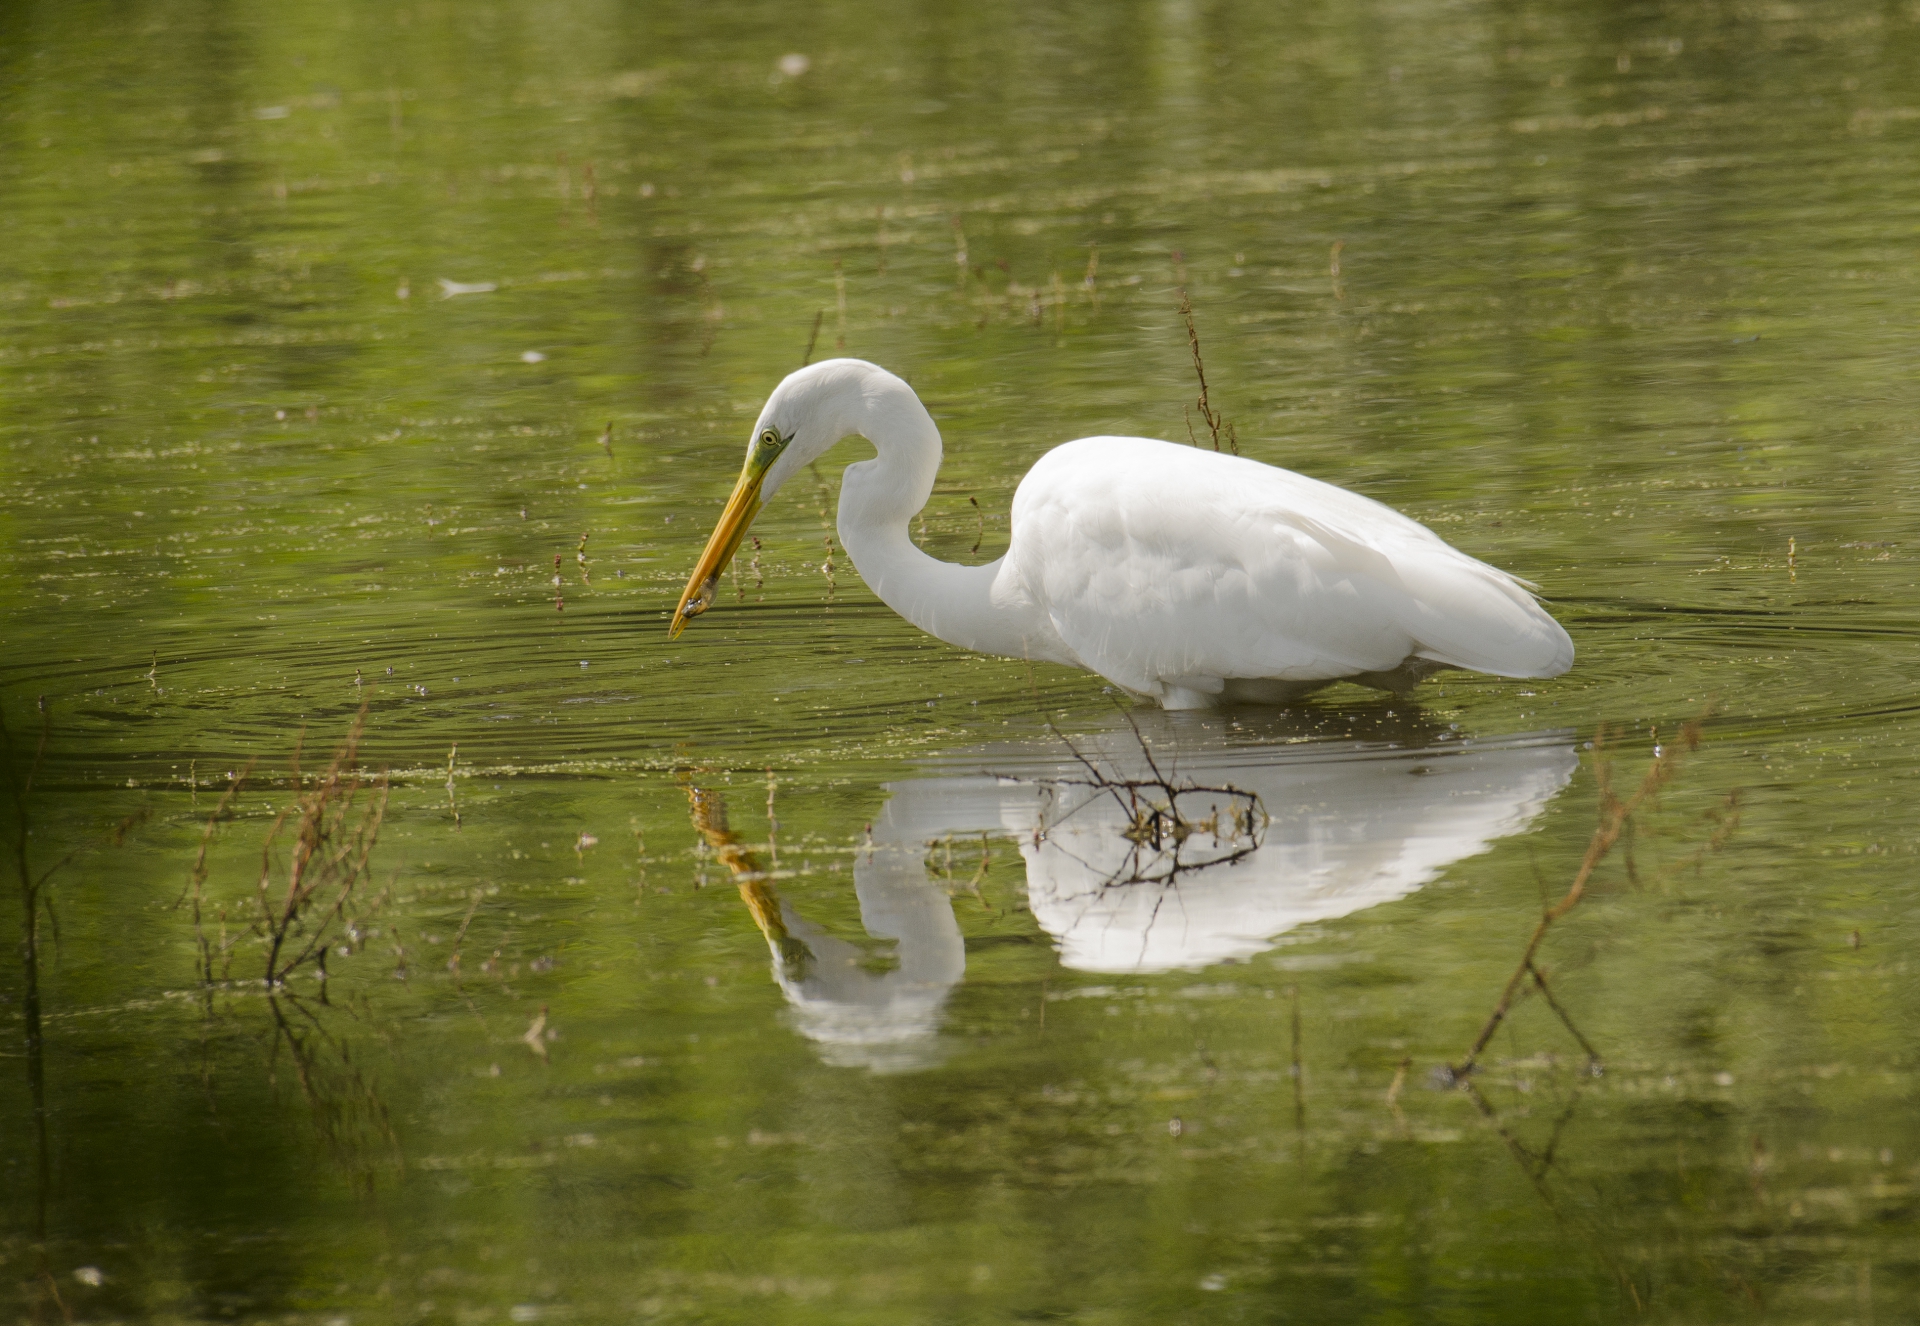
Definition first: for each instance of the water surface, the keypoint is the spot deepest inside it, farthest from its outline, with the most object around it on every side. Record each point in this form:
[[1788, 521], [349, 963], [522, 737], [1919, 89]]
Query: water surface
[[398, 358]]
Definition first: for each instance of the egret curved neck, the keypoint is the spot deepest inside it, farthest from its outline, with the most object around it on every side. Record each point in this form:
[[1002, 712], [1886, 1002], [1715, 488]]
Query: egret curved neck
[[878, 499]]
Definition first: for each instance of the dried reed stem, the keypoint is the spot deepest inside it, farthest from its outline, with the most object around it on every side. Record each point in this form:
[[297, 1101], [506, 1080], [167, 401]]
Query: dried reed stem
[[329, 861], [839, 306], [819, 316], [197, 878], [1211, 417]]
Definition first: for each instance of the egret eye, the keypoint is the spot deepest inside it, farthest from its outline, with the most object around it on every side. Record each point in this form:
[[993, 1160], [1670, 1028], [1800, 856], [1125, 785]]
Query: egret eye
[[770, 438]]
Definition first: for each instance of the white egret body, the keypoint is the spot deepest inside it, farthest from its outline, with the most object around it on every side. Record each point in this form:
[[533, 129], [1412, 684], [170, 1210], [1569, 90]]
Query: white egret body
[[1189, 576]]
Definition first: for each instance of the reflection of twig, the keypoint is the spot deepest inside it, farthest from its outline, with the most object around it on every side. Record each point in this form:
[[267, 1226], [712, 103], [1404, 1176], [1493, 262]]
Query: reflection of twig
[[1148, 822], [1163, 867], [1540, 982], [197, 878], [1553, 1138], [35, 898], [1616, 817], [18, 789], [34, 894], [1298, 1073], [943, 870], [1160, 825], [453, 961], [453, 803], [348, 1114], [1616, 829], [1535, 1168]]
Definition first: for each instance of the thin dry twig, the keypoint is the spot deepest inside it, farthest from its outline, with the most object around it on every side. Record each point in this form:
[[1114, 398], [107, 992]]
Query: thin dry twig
[[453, 961], [813, 336], [35, 896], [1208, 415], [197, 878], [330, 860]]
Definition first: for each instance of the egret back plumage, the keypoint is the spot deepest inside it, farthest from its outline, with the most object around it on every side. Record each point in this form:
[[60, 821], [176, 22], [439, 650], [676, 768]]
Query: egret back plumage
[[1188, 576]]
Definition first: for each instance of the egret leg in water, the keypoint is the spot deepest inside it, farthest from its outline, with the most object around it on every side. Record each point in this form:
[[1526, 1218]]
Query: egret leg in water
[[1188, 576]]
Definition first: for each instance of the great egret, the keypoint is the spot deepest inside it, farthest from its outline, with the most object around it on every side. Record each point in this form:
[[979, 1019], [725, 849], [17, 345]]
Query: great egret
[[1188, 576]]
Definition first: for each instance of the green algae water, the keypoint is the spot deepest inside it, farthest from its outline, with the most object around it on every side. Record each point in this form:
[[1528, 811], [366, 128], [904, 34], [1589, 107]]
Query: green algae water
[[386, 365]]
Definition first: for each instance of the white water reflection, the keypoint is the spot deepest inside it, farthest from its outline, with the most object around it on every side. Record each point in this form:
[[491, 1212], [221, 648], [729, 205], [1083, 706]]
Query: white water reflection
[[1345, 834], [1350, 827], [884, 1020]]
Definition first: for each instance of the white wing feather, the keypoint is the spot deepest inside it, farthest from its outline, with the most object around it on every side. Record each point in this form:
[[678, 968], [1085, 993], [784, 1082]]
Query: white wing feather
[[1160, 565]]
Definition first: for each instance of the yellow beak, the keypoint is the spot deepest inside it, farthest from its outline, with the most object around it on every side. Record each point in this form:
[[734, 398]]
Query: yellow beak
[[740, 510]]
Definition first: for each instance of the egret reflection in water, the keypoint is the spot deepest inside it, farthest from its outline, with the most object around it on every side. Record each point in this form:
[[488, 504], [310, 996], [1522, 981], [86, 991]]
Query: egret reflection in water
[[1345, 831], [859, 1016], [1345, 828]]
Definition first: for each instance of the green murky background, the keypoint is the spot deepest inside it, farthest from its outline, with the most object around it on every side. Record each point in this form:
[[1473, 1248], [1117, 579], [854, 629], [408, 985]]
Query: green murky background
[[1626, 300]]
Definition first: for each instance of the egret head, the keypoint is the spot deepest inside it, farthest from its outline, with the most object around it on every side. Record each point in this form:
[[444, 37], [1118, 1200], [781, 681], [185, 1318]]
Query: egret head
[[806, 414]]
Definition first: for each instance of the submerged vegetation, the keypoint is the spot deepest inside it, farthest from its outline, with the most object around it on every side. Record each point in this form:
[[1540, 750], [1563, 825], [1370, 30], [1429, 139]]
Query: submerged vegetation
[[316, 886]]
